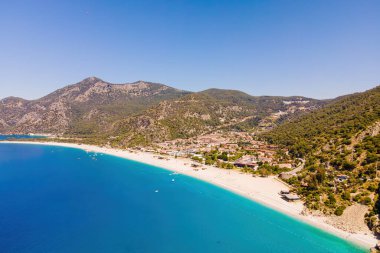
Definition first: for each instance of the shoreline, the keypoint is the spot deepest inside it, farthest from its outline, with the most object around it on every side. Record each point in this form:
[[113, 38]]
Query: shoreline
[[261, 190]]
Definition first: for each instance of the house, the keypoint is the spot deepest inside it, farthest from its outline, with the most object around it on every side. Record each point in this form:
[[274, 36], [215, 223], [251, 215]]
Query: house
[[197, 155], [251, 149], [341, 178], [290, 197], [246, 161], [287, 175], [265, 159], [282, 192], [233, 146], [285, 165], [176, 153]]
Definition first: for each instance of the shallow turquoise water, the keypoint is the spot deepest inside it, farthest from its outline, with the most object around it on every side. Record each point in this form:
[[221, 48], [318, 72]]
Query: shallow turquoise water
[[55, 199]]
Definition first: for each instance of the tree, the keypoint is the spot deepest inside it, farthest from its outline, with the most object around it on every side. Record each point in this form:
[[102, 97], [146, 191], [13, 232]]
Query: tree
[[230, 166], [223, 156], [339, 210], [346, 195], [348, 165], [320, 175], [209, 161], [264, 172]]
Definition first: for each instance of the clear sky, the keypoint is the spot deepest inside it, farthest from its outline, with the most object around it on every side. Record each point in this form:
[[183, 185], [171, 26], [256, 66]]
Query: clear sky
[[319, 48]]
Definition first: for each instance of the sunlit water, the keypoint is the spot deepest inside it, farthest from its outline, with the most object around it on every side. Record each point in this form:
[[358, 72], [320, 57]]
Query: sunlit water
[[55, 199]]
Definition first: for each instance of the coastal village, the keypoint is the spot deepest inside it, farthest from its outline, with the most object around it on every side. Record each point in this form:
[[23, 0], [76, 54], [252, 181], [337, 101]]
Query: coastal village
[[228, 150]]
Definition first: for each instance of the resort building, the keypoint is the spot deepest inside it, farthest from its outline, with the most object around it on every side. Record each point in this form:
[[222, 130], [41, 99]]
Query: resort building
[[247, 161]]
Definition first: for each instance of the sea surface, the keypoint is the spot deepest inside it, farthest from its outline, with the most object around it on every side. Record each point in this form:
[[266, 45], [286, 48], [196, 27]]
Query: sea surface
[[5, 137], [55, 199]]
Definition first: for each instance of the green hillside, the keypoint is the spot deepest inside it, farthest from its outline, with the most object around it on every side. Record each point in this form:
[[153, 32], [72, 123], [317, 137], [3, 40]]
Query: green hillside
[[340, 139], [199, 113]]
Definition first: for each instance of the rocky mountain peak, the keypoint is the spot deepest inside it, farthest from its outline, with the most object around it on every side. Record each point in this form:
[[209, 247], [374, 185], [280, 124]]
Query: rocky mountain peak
[[12, 99], [91, 79]]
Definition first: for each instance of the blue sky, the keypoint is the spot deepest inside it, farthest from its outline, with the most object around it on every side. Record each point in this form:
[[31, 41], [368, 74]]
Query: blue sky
[[320, 49]]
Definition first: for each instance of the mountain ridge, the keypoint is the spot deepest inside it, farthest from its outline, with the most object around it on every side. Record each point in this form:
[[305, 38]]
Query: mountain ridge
[[68, 103], [96, 107], [93, 104]]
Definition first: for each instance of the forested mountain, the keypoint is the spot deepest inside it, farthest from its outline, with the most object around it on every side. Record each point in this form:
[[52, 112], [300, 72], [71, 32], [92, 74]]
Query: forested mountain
[[341, 144], [206, 111], [142, 112], [337, 124]]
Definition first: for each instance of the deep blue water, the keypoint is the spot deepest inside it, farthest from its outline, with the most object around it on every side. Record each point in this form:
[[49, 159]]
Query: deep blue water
[[55, 199]]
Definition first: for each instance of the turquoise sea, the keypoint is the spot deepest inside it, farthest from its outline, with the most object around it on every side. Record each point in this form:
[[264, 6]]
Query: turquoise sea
[[55, 199], [5, 137]]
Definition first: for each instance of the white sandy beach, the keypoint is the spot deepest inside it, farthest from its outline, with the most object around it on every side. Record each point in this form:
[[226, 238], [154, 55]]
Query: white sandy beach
[[262, 190]]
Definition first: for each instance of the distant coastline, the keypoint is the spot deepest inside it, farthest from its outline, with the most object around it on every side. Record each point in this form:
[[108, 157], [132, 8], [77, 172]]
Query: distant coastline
[[261, 190]]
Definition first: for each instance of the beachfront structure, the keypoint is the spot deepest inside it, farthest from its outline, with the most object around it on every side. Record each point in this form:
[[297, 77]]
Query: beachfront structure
[[290, 197], [282, 192], [247, 161]]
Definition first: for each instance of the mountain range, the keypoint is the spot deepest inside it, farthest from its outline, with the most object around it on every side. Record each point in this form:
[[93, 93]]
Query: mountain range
[[84, 107], [142, 112]]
